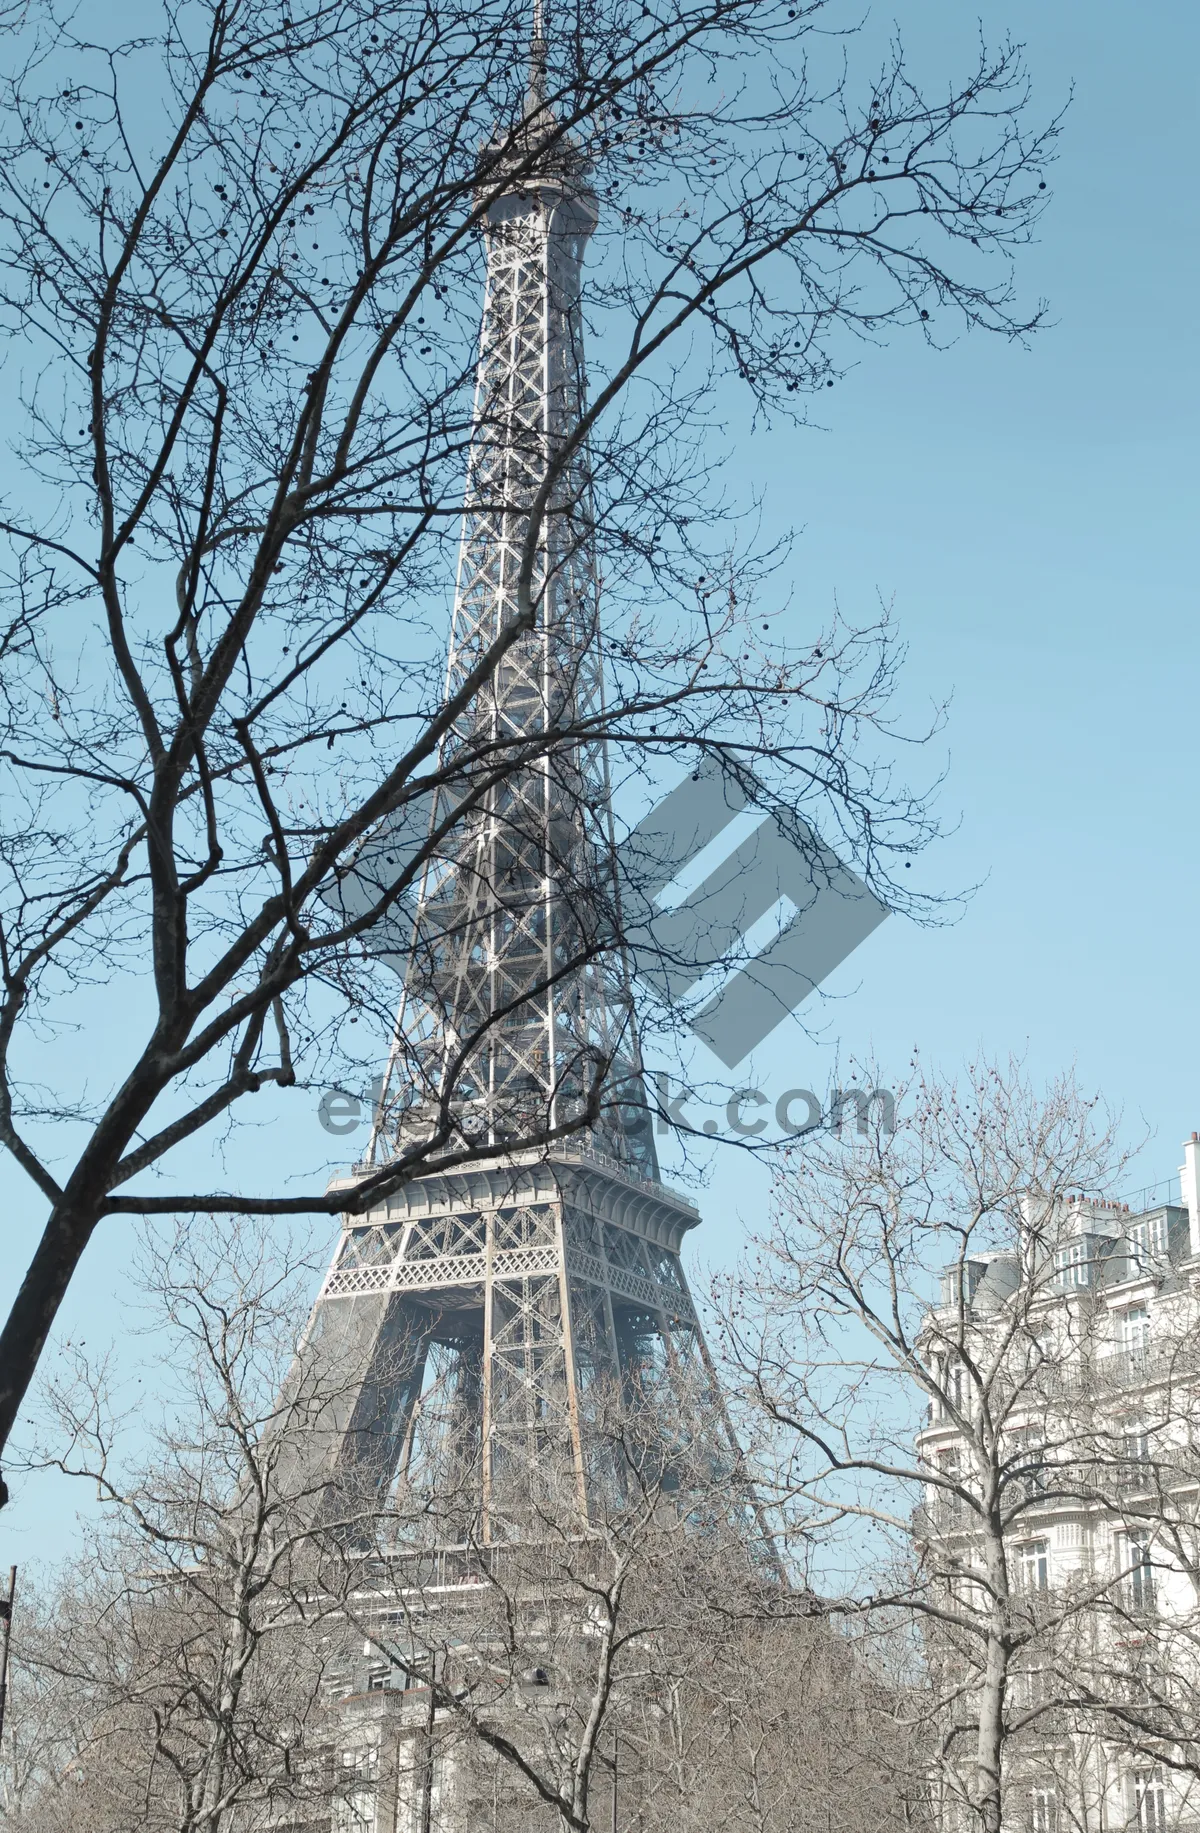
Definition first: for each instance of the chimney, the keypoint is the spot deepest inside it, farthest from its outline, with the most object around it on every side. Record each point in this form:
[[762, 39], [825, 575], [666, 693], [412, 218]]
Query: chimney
[[1189, 1184]]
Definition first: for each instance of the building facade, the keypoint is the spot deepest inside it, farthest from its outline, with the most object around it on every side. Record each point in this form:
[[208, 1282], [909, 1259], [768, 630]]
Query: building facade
[[1059, 1541]]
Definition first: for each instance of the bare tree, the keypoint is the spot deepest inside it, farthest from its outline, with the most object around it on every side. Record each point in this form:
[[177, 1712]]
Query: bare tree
[[550, 1664], [780, 1724], [218, 1660], [221, 1660], [173, 1674], [893, 1326], [245, 312]]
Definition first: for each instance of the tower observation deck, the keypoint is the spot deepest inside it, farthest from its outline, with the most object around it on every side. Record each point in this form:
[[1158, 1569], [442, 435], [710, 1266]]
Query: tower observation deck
[[492, 1311]]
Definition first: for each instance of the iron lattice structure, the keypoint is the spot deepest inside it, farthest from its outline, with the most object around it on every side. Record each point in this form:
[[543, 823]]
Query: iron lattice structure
[[489, 1312]]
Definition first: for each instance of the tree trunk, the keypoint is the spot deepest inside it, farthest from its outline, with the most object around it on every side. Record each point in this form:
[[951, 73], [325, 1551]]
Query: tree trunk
[[992, 1689]]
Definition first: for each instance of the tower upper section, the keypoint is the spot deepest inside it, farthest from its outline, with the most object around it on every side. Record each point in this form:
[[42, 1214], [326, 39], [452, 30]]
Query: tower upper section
[[517, 1015]]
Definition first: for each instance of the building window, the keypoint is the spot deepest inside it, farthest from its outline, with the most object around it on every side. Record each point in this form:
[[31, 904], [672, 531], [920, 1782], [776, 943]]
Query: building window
[[1133, 1328], [1139, 1566], [1149, 1802], [1031, 1688], [958, 1389], [1033, 1566], [1073, 1264], [1043, 1810], [1147, 1241], [1025, 1462], [1137, 1445], [1136, 1472], [354, 1808], [948, 1505]]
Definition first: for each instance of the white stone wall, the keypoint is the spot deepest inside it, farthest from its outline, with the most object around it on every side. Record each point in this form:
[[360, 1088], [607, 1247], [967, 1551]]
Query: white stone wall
[[1113, 1331]]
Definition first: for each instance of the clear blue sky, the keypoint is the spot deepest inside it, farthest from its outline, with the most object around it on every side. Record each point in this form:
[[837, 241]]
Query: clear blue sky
[[1031, 515]]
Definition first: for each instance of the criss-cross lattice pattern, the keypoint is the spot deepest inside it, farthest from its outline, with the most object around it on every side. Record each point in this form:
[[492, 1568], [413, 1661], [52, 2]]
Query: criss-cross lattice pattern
[[517, 1008], [497, 1315], [525, 1313]]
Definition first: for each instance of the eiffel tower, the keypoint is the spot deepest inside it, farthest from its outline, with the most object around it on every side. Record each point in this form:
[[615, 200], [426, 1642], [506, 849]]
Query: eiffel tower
[[490, 1311]]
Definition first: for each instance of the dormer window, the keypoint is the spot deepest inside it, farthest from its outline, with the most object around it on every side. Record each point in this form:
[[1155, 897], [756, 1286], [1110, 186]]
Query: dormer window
[[1147, 1240], [1073, 1264]]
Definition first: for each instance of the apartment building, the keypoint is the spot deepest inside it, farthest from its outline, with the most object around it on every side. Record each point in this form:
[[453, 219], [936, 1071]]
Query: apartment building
[[1060, 1534]]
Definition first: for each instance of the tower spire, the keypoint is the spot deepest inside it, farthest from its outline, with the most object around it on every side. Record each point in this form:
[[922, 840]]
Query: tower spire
[[535, 95], [517, 1009], [485, 1310]]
